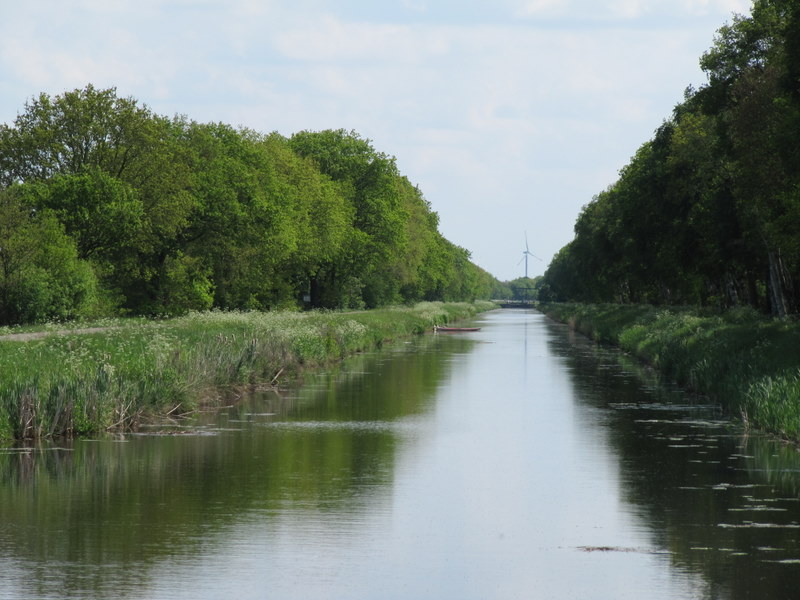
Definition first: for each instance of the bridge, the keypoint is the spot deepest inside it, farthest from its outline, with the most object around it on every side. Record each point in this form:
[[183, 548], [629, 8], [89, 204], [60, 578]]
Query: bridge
[[523, 297], [516, 303]]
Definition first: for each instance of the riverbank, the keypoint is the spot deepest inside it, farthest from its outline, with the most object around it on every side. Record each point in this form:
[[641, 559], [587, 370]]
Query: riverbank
[[748, 363], [73, 382]]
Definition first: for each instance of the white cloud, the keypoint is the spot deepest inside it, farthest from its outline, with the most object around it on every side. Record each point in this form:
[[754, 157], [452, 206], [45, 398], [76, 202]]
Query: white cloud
[[541, 7], [705, 7], [628, 9], [415, 5], [331, 40]]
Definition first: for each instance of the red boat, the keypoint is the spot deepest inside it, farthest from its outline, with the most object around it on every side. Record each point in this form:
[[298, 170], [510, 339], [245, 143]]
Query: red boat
[[454, 329]]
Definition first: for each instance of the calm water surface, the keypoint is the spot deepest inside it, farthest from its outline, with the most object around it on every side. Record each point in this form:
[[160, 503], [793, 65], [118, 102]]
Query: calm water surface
[[517, 462]]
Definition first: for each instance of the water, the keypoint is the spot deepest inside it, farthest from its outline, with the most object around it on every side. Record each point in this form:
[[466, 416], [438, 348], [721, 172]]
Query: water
[[520, 461]]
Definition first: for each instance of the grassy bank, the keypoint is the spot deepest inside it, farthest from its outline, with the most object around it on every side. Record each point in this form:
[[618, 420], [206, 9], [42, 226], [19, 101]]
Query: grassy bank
[[748, 363], [74, 383]]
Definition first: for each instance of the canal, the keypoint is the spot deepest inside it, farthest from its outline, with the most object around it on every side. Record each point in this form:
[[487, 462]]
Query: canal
[[520, 461]]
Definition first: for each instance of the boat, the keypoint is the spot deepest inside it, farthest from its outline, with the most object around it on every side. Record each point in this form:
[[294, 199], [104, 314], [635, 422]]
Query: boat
[[454, 329]]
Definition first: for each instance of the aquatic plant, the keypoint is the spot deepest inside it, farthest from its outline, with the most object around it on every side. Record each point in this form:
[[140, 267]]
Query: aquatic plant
[[774, 402]]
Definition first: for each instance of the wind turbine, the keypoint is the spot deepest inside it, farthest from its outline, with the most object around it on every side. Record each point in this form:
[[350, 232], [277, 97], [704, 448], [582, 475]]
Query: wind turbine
[[525, 254]]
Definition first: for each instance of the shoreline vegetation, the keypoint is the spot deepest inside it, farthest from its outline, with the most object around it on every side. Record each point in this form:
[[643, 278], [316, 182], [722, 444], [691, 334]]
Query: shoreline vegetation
[[741, 359], [77, 383]]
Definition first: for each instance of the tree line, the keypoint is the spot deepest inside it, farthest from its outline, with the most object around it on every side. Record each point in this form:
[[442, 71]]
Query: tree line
[[107, 208], [707, 212]]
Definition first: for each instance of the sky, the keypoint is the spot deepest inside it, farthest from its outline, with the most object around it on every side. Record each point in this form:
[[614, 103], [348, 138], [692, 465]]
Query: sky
[[509, 115]]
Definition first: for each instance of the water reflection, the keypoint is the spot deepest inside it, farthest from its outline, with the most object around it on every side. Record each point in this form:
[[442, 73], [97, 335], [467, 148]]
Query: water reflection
[[93, 517], [521, 461], [720, 502]]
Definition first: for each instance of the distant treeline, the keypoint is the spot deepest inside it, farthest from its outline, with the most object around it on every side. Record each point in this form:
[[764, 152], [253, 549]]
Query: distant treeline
[[108, 208], [708, 211]]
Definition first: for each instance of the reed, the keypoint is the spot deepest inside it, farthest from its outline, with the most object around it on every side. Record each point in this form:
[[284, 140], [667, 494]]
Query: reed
[[749, 363], [73, 383]]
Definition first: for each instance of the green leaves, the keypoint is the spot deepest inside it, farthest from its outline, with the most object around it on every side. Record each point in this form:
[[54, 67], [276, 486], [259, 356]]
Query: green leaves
[[41, 276], [174, 215], [707, 211], [74, 131], [102, 213]]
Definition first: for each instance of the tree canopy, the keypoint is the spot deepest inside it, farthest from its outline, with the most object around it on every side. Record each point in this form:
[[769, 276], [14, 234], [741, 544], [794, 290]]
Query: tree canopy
[[708, 211], [106, 207]]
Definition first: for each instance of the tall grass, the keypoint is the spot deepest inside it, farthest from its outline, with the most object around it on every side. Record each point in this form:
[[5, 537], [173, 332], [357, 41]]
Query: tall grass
[[73, 383], [747, 362]]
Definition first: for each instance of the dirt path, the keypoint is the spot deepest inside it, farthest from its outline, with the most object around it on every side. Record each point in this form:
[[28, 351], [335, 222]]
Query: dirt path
[[37, 335]]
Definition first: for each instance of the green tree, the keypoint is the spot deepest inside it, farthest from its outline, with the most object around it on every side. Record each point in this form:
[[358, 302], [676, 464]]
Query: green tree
[[102, 213], [750, 66], [174, 215], [707, 212], [41, 276], [92, 150], [370, 182], [68, 133], [321, 218]]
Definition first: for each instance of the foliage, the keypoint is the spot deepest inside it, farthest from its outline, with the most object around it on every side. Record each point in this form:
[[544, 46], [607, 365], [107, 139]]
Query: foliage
[[394, 251], [707, 212], [171, 215], [41, 275]]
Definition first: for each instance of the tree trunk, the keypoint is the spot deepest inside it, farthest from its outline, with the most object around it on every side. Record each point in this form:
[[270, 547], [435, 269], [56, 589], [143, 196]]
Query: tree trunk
[[777, 289], [731, 293], [314, 290]]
